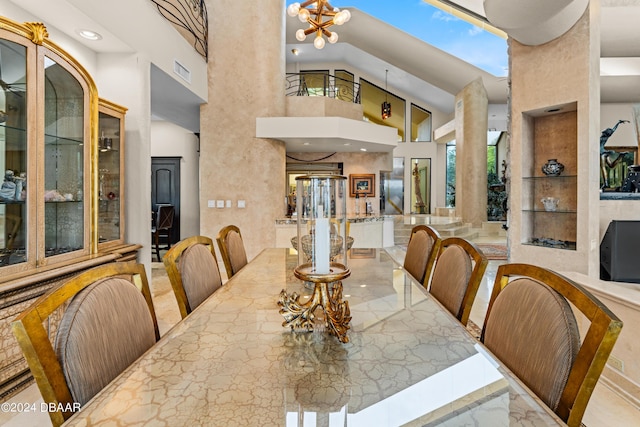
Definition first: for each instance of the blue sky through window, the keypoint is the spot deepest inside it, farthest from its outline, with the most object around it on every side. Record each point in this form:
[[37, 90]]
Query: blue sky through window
[[440, 29]]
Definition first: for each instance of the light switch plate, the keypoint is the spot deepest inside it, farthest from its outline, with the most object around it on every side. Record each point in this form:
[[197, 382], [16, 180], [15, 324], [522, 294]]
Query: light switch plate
[[220, 203], [241, 203], [228, 203], [211, 203]]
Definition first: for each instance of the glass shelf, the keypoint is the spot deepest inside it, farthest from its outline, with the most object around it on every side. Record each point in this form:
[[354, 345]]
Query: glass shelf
[[566, 246], [4, 125], [559, 211], [63, 201], [550, 177], [61, 140]]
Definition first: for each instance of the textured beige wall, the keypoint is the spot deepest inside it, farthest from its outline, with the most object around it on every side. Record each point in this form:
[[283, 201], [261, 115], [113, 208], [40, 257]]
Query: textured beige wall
[[246, 80], [561, 72], [471, 153]]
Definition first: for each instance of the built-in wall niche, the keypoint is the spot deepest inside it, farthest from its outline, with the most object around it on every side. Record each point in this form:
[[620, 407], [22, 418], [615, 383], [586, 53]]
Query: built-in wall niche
[[420, 186], [549, 191]]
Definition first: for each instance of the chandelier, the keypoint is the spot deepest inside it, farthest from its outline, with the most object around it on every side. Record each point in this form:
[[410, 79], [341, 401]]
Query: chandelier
[[321, 9]]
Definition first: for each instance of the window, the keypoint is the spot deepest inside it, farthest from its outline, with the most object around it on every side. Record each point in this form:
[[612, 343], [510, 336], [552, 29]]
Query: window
[[450, 201], [420, 124], [344, 86], [372, 98], [495, 158], [314, 83]]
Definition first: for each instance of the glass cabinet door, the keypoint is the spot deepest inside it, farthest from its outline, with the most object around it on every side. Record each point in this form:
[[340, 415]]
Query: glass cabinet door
[[65, 149], [13, 153], [110, 168], [48, 139]]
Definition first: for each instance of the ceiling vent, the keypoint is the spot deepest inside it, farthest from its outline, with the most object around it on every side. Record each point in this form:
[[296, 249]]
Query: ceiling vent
[[182, 71]]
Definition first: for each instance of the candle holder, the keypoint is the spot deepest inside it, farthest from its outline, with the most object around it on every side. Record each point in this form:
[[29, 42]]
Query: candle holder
[[322, 255]]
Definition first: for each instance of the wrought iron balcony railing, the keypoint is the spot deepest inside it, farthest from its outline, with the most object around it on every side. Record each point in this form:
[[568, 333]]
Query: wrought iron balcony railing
[[322, 84], [190, 19]]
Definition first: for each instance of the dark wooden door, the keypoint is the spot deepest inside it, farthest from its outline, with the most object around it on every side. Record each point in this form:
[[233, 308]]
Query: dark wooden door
[[165, 188]]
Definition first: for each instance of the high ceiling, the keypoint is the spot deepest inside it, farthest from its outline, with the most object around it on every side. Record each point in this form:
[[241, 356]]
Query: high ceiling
[[435, 76], [414, 66]]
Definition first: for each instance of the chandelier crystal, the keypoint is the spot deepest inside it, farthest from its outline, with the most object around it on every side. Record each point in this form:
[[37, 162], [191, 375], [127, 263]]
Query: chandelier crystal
[[320, 15]]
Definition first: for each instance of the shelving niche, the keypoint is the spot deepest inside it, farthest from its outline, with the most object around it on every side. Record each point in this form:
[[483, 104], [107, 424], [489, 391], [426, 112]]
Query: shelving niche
[[550, 133]]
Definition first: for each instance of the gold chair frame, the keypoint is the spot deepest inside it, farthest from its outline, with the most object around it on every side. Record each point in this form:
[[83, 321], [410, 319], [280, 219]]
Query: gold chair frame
[[224, 249], [596, 346], [170, 260], [36, 345], [479, 262], [433, 255]]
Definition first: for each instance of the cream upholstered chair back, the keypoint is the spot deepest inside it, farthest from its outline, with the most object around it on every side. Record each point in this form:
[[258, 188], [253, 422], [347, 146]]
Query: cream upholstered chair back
[[232, 249], [193, 271], [457, 275], [109, 322], [422, 250], [530, 326]]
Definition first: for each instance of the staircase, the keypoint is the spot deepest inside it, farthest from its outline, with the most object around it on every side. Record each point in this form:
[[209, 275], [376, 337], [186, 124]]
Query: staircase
[[445, 225]]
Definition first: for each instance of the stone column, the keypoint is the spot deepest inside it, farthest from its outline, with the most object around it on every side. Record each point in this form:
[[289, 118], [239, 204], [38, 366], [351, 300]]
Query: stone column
[[471, 118], [246, 81]]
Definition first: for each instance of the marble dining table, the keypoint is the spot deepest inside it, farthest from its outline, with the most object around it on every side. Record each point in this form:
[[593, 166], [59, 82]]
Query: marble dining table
[[408, 361]]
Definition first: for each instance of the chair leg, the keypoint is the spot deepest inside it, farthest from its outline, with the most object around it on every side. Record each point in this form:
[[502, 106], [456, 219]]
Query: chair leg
[[157, 246]]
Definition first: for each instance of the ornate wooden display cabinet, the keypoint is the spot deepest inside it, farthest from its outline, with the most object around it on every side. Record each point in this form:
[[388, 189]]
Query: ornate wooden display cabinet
[[57, 217], [110, 176]]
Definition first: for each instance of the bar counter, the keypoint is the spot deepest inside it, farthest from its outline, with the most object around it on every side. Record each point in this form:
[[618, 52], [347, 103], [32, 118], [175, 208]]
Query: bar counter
[[231, 363]]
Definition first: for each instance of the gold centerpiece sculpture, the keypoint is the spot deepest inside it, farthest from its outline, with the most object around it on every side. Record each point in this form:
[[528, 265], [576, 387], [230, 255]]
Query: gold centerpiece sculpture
[[322, 246]]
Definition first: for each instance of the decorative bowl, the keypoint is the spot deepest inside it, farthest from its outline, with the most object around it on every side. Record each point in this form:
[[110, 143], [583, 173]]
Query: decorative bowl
[[552, 168], [307, 244]]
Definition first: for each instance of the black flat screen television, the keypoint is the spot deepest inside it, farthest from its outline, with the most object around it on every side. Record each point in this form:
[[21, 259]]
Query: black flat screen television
[[620, 252]]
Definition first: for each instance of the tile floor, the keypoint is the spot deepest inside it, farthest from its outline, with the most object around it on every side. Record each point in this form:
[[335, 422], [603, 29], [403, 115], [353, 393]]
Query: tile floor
[[606, 409]]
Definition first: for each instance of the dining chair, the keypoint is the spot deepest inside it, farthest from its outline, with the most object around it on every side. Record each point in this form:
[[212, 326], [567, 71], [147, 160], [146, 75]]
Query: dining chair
[[530, 326], [193, 271], [422, 251], [457, 275], [109, 321], [231, 249], [161, 229]]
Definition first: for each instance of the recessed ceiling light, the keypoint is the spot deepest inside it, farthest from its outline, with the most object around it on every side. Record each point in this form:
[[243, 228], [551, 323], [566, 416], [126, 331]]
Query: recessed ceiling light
[[89, 35], [306, 143], [363, 149], [552, 110], [295, 51], [347, 143]]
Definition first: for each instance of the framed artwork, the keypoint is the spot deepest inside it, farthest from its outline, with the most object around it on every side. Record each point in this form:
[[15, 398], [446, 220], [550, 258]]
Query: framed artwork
[[363, 185]]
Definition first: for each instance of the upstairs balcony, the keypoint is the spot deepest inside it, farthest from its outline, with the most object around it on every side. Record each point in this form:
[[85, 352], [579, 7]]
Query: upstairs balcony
[[323, 113]]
